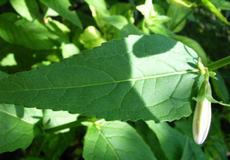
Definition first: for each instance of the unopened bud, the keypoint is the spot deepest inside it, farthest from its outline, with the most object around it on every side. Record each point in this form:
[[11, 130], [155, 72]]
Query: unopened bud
[[202, 120]]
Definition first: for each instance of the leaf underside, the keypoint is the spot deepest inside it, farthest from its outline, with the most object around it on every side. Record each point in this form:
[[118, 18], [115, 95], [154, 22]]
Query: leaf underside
[[139, 77]]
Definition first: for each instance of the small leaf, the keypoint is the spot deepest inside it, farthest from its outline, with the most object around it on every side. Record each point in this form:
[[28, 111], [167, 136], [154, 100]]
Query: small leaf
[[177, 14], [103, 17], [62, 7], [32, 35], [114, 141], [99, 5], [220, 87], [26, 8], [221, 4], [214, 10]]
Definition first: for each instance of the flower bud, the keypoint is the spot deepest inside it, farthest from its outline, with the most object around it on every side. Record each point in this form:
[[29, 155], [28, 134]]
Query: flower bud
[[201, 120]]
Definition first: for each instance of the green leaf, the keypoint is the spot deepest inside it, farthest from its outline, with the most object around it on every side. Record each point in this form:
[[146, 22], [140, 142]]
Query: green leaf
[[220, 87], [61, 30], [114, 141], [62, 7], [99, 6], [124, 9], [26, 8], [221, 4], [150, 138], [177, 14], [17, 127], [214, 10], [32, 34], [103, 17], [175, 144], [139, 77]]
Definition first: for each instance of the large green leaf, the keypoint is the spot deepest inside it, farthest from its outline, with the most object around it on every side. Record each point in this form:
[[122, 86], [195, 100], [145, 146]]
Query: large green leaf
[[62, 7], [139, 77], [32, 35], [115, 141]]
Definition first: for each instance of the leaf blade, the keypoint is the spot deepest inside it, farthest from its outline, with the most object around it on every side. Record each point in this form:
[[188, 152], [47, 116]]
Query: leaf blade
[[62, 7], [17, 127], [109, 78], [114, 140], [175, 144], [32, 35], [27, 9]]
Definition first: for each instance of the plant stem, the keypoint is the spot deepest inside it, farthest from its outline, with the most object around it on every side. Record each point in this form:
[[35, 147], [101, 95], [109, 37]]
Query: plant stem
[[219, 63], [64, 126]]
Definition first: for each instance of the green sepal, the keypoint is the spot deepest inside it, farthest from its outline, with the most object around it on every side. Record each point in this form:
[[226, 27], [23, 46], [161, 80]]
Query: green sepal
[[204, 91], [212, 100]]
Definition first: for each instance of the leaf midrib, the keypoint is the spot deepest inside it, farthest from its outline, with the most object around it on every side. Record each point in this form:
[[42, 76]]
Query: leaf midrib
[[106, 83], [109, 144]]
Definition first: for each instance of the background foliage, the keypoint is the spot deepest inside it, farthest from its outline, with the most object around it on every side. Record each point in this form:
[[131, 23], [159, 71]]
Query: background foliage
[[37, 33]]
